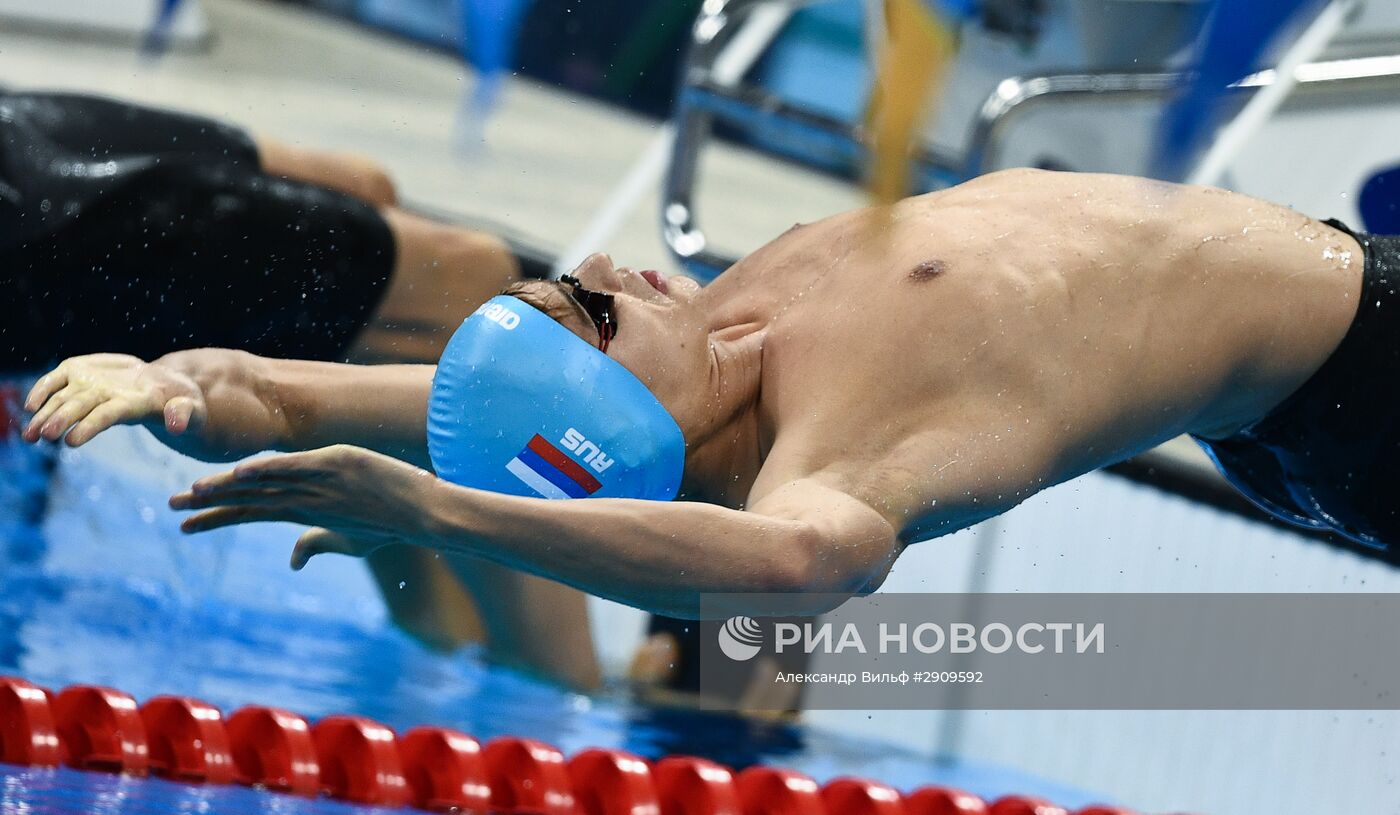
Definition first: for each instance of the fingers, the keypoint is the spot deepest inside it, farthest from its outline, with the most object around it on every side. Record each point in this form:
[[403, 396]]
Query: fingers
[[103, 417], [41, 415], [64, 397], [232, 497], [318, 541], [213, 484], [48, 384], [285, 467], [220, 517], [311, 465], [53, 423], [284, 470]]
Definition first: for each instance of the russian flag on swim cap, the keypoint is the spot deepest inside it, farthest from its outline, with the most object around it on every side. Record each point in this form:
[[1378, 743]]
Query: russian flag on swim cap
[[550, 472]]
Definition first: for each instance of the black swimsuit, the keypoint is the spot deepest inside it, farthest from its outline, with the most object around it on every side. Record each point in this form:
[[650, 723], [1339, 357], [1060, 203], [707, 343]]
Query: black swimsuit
[[134, 230], [1328, 457]]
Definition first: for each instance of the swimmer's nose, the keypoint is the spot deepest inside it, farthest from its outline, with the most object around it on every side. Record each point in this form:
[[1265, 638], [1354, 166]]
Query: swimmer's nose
[[598, 273]]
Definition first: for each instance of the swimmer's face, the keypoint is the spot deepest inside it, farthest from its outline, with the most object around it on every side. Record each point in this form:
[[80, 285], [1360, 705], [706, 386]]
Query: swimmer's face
[[662, 337]]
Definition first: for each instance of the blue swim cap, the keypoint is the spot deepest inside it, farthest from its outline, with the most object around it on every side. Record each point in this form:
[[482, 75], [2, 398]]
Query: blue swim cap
[[522, 405]]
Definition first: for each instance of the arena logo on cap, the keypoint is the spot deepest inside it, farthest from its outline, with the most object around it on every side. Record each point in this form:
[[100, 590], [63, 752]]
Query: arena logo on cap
[[500, 315], [550, 471]]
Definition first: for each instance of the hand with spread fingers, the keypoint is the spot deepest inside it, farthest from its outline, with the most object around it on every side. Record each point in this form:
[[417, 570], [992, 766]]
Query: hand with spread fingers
[[356, 500], [196, 402], [86, 395]]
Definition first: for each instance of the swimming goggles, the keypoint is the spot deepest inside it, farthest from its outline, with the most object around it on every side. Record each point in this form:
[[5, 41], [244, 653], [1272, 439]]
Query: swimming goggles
[[599, 306]]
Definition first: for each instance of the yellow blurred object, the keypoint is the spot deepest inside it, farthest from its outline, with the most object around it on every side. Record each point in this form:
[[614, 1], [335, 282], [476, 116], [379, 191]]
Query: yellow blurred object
[[916, 53]]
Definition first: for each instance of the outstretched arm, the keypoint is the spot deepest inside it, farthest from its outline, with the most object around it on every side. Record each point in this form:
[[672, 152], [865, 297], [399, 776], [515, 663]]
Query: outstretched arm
[[220, 405], [803, 537]]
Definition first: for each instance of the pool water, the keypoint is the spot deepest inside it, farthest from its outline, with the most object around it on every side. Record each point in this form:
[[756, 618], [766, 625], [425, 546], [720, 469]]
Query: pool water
[[98, 587]]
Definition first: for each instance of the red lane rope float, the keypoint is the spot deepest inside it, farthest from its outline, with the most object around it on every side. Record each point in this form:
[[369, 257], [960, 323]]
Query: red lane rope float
[[28, 733], [613, 782], [188, 740], [356, 759], [359, 761], [1022, 805], [445, 771], [773, 791], [272, 748], [101, 729], [858, 796], [527, 777], [943, 801], [695, 786]]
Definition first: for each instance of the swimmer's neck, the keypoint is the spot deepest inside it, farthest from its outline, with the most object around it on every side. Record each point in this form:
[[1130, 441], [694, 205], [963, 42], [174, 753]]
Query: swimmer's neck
[[726, 447]]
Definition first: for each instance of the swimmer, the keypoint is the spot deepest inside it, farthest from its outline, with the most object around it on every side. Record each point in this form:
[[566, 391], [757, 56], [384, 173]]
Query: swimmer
[[193, 233], [145, 232], [858, 385]]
